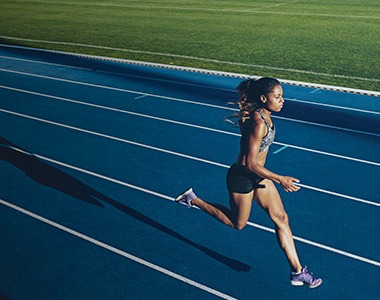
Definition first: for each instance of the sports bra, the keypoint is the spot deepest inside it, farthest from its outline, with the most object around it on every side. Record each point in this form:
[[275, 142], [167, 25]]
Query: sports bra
[[267, 140]]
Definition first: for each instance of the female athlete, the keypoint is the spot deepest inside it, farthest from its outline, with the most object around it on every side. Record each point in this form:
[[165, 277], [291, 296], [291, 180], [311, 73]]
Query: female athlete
[[248, 180]]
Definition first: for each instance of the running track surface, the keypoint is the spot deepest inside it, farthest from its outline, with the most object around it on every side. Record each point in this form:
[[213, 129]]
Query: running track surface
[[93, 153]]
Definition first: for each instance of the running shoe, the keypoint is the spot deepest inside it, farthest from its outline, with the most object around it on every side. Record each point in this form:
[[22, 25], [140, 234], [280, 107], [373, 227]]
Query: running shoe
[[186, 197], [305, 278]]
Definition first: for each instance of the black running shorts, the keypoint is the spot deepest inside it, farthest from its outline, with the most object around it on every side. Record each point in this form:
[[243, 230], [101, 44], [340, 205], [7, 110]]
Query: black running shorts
[[241, 180]]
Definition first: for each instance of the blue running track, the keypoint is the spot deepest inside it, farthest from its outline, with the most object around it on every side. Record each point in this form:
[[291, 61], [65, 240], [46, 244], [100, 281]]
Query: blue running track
[[93, 152]]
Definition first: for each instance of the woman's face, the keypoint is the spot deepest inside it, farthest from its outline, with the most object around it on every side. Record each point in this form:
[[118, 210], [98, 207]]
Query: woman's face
[[273, 100]]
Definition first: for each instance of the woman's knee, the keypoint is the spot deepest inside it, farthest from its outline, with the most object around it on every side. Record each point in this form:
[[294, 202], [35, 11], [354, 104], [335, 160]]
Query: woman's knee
[[280, 218], [240, 226]]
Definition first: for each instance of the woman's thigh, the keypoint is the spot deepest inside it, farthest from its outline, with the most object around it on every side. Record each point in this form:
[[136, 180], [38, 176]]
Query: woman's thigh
[[269, 199], [241, 205]]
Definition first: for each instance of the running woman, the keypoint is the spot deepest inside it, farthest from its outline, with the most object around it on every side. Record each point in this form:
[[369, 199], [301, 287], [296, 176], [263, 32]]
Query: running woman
[[248, 179]]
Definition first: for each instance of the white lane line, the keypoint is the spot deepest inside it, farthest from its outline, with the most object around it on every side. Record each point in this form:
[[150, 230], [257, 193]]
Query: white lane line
[[172, 153], [329, 154], [329, 126], [338, 194], [334, 106], [113, 138], [121, 110], [116, 89], [121, 74], [180, 82], [144, 190], [43, 63], [177, 99], [219, 88], [318, 245], [117, 251], [186, 124], [184, 101], [198, 70]]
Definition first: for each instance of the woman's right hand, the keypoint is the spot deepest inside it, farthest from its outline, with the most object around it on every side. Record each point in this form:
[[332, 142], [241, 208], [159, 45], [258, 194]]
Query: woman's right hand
[[288, 183]]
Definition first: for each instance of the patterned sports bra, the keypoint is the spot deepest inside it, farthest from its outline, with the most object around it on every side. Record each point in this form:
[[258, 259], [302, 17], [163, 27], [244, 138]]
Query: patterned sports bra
[[246, 128], [269, 137]]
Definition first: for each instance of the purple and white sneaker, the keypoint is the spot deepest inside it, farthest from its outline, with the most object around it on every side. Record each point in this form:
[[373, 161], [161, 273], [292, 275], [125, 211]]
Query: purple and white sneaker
[[304, 278], [186, 198]]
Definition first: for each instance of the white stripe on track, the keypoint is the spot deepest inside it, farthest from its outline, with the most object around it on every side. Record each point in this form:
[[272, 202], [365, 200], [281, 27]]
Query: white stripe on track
[[182, 100], [172, 153], [120, 110], [178, 82], [329, 126], [144, 190], [329, 154], [117, 251], [115, 89], [202, 71], [113, 138], [334, 106], [120, 74], [188, 124], [179, 99], [338, 194], [318, 245], [43, 63]]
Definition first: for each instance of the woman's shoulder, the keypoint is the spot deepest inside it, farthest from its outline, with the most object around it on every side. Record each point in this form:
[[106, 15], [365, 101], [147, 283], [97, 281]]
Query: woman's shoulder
[[257, 119], [253, 124]]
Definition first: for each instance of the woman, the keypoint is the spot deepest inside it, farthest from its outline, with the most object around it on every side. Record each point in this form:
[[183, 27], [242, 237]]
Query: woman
[[248, 179]]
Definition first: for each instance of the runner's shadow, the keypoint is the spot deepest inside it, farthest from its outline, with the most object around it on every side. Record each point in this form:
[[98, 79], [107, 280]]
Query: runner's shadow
[[47, 175]]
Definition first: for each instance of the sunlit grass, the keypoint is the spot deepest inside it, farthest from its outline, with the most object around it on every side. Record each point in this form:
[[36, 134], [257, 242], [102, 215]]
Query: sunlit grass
[[317, 41]]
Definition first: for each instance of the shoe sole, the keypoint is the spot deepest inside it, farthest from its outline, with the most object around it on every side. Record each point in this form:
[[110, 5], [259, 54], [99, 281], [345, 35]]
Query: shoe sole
[[300, 283], [296, 283]]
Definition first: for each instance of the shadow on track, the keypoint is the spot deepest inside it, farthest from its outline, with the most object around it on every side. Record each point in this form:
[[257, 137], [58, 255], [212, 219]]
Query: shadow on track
[[49, 176]]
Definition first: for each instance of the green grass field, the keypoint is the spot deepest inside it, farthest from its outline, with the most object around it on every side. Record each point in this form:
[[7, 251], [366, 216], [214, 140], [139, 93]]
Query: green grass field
[[334, 42]]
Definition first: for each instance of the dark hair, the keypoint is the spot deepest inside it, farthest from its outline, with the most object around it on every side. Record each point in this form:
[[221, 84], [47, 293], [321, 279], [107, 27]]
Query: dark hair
[[250, 91]]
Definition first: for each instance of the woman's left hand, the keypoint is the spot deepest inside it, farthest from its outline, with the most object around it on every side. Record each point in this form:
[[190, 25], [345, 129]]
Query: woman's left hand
[[288, 183]]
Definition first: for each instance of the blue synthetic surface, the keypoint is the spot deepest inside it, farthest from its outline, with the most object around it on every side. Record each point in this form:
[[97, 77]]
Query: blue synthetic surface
[[120, 140]]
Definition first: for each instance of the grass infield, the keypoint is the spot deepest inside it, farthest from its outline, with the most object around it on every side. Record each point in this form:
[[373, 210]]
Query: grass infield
[[333, 42]]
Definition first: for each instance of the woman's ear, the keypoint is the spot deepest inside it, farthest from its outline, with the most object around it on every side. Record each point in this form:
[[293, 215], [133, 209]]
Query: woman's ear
[[263, 99]]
